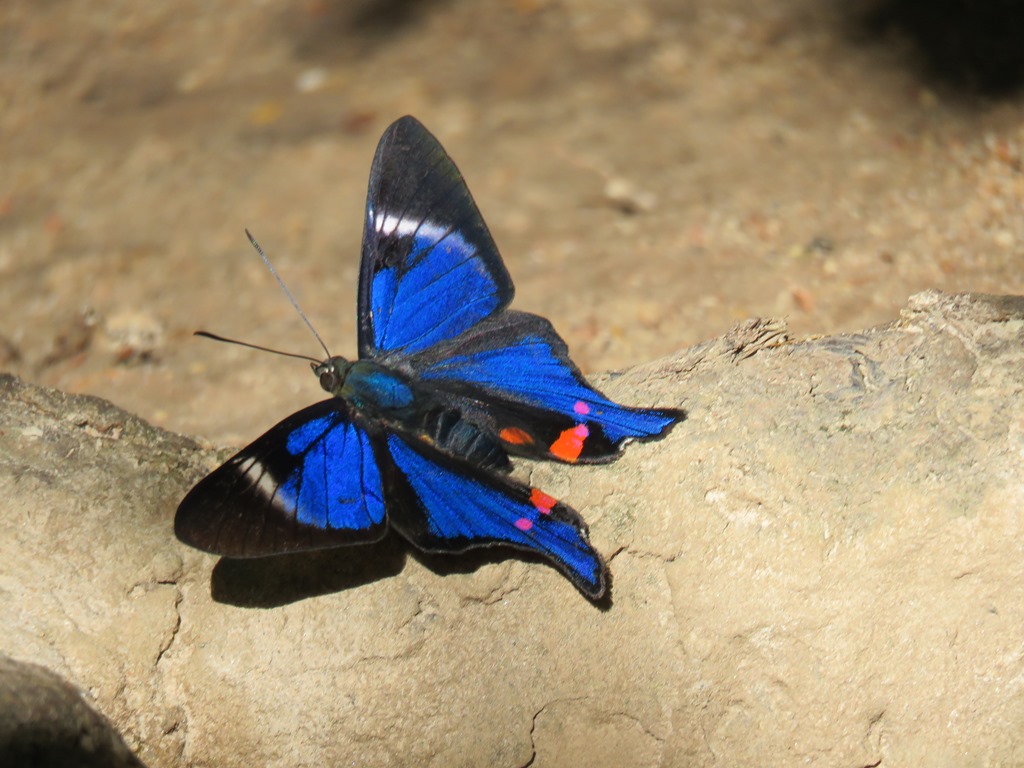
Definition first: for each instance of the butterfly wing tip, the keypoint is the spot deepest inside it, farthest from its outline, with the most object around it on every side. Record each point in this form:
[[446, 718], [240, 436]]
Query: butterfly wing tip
[[671, 417], [194, 533], [182, 530], [598, 592], [678, 415]]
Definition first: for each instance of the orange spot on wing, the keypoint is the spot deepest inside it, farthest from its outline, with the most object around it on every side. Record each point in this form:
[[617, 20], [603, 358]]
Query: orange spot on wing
[[542, 501], [569, 444], [516, 436]]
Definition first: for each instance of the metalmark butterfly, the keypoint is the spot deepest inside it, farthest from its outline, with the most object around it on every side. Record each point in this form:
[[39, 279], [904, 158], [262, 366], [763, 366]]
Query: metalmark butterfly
[[449, 384]]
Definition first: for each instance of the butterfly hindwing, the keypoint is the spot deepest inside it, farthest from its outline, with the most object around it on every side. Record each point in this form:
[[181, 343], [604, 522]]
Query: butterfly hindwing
[[535, 399], [440, 504], [310, 482], [430, 268]]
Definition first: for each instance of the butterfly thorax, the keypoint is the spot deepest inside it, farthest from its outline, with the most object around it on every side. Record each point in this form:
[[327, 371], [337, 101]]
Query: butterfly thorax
[[373, 389], [383, 394]]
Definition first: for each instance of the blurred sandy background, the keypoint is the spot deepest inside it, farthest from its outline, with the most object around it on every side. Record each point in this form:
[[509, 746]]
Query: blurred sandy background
[[652, 171]]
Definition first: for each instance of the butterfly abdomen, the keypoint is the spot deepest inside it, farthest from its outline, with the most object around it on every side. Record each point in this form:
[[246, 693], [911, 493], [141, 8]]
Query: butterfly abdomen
[[448, 430]]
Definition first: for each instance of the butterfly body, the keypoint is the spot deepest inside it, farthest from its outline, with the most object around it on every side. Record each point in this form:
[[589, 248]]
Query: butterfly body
[[449, 383], [391, 399]]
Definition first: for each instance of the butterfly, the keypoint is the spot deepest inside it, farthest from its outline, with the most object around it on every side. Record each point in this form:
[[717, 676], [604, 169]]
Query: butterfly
[[419, 430]]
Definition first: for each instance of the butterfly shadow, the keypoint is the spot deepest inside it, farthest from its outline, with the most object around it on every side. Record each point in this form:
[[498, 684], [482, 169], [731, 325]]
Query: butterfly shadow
[[270, 582], [474, 559]]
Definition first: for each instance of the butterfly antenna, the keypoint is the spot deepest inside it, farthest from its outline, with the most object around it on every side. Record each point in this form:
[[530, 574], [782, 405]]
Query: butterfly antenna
[[287, 293], [215, 337]]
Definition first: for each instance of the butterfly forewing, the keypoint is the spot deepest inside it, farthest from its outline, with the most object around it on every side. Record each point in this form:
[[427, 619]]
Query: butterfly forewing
[[430, 268], [310, 482]]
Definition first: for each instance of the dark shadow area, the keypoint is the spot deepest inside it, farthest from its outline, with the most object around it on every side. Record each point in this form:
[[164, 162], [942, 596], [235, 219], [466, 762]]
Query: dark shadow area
[[468, 562], [975, 45], [345, 30], [269, 582], [46, 722]]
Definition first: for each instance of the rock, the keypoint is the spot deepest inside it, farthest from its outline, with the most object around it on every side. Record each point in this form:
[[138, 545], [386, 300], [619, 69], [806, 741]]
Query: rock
[[823, 565], [45, 722], [88, 567]]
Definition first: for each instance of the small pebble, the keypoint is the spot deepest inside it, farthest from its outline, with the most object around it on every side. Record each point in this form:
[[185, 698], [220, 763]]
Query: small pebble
[[311, 80]]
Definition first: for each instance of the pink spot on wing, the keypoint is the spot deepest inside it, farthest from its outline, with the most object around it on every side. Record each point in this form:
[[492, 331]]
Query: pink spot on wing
[[581, 431], [581, 408], [523, 524]]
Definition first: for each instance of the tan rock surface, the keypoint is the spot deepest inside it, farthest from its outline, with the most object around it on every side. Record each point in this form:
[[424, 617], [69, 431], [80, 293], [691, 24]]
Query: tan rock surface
[[823, 565]]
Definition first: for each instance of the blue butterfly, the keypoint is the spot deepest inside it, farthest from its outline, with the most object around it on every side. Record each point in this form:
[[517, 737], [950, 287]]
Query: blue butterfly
[[449, 384]]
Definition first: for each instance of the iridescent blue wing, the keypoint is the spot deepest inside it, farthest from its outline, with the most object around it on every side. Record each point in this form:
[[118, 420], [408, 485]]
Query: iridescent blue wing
[[433, 294], [430, 269], [311, 482], [442, 505], [513, 374]]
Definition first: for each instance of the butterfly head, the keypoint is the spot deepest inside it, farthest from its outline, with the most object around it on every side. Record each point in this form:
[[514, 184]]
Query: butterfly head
[[332, 373]]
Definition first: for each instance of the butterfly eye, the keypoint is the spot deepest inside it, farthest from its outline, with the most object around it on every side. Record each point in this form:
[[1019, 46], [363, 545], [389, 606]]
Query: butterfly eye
[[329, 380]]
